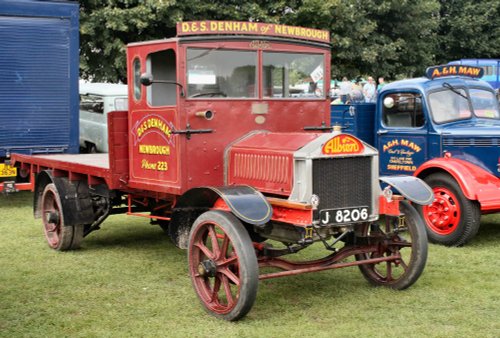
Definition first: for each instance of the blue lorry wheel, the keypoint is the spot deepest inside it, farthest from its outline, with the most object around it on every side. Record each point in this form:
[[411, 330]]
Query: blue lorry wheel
[[452, 219]]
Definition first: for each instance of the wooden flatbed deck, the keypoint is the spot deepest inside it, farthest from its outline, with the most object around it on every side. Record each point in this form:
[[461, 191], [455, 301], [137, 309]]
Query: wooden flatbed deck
[[96, 167], [110, 168], [92, 161], [94, 164]]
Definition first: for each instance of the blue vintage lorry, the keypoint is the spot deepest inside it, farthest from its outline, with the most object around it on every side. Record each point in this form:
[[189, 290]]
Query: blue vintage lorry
[[444, 129], [39, 60]]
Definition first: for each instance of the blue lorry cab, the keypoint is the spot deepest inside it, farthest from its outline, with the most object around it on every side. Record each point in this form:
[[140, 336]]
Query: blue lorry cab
[[422, 119]]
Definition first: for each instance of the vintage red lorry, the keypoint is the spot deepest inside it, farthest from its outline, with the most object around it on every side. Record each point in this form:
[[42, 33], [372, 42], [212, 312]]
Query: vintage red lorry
[[225, 147]]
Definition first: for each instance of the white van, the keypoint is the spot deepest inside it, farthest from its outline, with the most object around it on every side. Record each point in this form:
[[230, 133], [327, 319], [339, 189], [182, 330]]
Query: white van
[[96, 101]]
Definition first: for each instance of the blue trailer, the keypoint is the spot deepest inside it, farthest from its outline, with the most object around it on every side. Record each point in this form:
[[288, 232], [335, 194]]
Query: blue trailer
[[39, 68], [444, 129], [491, 69]]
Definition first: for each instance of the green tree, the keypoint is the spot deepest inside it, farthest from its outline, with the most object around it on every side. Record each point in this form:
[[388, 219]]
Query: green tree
[[107, 26], [469, 29], [391, 38], [377, 37]]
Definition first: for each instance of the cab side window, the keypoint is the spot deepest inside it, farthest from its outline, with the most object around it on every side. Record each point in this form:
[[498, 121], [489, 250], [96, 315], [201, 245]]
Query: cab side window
[[137, 79], [162, 66], [403, 110]]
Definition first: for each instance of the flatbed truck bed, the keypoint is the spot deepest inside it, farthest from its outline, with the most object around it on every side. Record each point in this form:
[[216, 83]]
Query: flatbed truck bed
[[87, 163], [109, 168]]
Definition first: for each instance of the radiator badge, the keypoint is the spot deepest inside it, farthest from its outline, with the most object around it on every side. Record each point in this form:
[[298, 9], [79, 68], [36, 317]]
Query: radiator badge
[[343, 144]]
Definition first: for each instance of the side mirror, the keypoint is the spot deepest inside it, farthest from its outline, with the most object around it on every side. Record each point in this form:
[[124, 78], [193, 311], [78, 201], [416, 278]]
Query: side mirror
[[146, 79]]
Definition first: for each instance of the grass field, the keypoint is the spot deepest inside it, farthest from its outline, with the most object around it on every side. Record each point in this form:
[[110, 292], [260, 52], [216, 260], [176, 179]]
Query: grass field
[[129, 280]]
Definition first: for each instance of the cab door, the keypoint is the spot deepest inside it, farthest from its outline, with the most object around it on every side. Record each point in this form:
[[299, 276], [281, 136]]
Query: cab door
[[154, 148], [402, 132]]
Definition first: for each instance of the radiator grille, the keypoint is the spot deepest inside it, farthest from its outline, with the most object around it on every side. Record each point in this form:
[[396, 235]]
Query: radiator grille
[[262, 167], [471, 141], [343, 182]]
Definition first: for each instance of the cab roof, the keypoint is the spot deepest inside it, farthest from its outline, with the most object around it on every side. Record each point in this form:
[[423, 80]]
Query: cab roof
[[424, 84]]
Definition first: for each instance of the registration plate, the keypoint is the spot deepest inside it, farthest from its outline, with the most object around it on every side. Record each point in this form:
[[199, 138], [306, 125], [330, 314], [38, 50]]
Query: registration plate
[[7, 170], [343, 215]]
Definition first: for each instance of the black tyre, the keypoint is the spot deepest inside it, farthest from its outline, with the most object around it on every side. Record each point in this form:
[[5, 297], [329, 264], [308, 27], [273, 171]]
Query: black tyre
[[223, 265], [59, 236], [406, 238], [452, 219]]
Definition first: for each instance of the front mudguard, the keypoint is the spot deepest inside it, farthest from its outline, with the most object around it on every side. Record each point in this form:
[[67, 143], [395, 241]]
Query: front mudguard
[[246, 203], [410, 187], [476, 183]]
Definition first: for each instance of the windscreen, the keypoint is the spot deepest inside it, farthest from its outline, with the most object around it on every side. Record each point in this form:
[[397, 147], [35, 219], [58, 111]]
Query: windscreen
[[484, 104], [218, 73], [456, 104], [293, 75]]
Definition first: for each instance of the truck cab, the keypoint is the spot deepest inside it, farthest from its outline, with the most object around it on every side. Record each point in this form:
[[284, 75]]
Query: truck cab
[[204, 92], [445, 129], [421, 119]]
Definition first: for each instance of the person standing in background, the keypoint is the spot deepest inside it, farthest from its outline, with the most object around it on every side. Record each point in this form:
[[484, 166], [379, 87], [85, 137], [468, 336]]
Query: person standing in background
[[381, 84], [369, 90], [345, 89]]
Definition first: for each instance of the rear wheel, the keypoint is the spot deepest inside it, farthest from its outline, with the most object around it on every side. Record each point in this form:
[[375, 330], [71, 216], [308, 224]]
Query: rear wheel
[[451, 219], [223, 265], [405, 239], [59, 236]]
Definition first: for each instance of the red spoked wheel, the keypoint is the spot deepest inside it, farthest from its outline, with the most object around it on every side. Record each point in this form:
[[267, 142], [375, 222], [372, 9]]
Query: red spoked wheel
[[223, 265], [451, 219], [59, 236], [404, 239], [443, 215]]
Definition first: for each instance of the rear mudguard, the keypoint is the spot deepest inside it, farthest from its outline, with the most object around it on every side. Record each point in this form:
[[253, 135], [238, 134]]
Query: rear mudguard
[[246, 203], [412, 188], [476, 183], [75, 198]]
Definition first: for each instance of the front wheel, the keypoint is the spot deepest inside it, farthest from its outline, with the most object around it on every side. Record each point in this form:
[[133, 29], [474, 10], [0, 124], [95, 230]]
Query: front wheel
[[223, 265], [405, 240], [451, 219]]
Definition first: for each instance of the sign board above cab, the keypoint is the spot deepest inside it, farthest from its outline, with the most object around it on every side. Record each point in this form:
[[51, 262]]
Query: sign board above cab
[[251, 28]]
